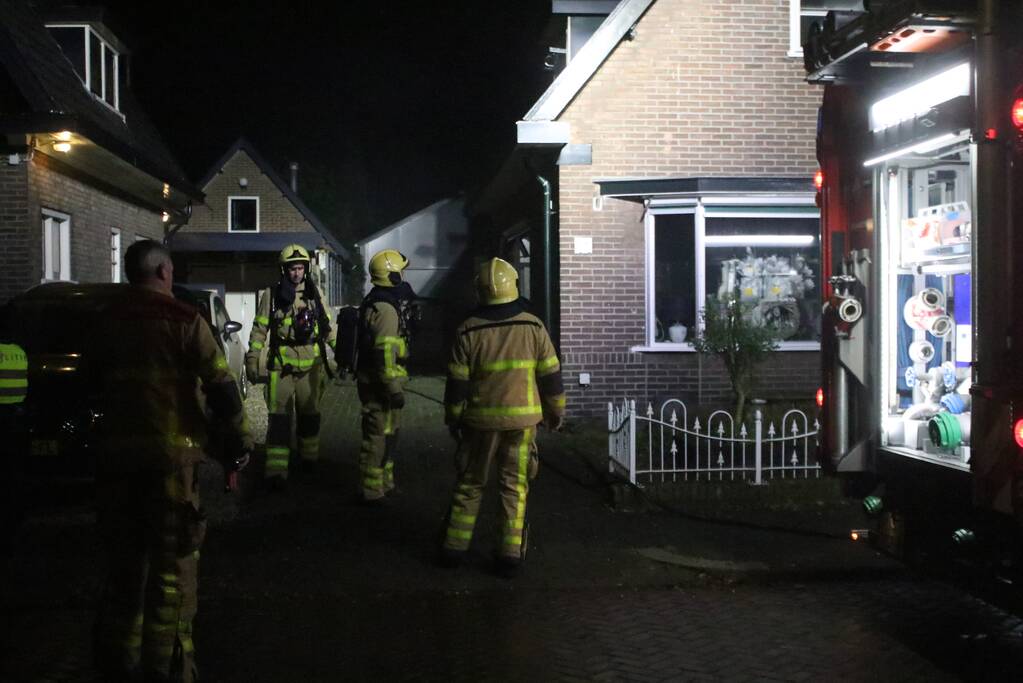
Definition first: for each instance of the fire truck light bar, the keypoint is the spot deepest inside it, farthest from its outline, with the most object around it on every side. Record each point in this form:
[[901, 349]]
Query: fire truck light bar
[[917, 148], [920, 98]]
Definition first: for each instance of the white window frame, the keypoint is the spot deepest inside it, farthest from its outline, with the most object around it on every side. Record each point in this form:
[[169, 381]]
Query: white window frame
[[230, 211], [104, 48], [63, 223], [115, 255], [796, 14], [697, 207]]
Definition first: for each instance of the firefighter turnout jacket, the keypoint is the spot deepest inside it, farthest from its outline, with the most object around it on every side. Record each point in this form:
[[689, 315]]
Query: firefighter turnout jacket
[[149, 361], [279, 338], [152, 418], [383, 342], [504, 373]]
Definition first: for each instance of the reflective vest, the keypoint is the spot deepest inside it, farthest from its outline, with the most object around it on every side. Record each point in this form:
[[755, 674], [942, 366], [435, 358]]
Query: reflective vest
[[13, 374]]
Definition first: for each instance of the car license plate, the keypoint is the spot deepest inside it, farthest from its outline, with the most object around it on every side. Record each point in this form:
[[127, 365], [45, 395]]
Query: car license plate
[[44, 447]]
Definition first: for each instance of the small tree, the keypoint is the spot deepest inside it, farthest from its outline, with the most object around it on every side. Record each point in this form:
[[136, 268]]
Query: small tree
[[730, 333]]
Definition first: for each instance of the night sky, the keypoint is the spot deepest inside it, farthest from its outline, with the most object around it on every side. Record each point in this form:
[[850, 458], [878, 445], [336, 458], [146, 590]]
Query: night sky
[[387, 106]]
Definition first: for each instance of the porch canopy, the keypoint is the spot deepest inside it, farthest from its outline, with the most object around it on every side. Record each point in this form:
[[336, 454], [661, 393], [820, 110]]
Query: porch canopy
[[644, 189], [222, 241]]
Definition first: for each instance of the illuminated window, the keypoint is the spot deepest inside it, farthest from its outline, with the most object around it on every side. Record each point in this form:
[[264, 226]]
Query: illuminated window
[[767, 255], [243, 214], [93, 59]]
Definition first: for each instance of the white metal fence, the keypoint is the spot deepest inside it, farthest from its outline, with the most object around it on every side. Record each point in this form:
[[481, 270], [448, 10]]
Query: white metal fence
[[646, 448]]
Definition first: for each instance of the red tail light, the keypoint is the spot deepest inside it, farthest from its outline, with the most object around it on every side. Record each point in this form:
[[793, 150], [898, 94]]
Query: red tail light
[[1017, 113], [820, 404], [818, 177], [1017, 432]]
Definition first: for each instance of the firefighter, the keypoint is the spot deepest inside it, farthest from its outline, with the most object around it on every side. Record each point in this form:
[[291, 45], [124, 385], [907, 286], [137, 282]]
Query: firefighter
[[504, 378], [142, 365], [287, 351], [14, 443], [380, 371]]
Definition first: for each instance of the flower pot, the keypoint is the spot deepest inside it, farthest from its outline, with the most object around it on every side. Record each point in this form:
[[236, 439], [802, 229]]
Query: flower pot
[[677, 333]]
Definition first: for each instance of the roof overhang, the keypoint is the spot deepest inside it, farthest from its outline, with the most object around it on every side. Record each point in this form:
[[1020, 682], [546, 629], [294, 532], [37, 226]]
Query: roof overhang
[[583, 7], [586, 62], [642, 189], [95, 157]]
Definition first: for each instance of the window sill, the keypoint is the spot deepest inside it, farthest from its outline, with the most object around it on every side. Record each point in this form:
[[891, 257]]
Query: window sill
[[795, 53], [688, 348], [663, 348]]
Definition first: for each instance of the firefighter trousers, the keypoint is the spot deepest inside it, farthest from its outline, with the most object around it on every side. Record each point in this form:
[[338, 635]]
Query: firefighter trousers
[[151, 528], [288, 392], [380, 426], [514, 452]]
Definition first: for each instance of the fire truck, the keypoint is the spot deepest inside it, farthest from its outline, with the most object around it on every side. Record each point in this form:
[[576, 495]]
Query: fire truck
[[920, 144]]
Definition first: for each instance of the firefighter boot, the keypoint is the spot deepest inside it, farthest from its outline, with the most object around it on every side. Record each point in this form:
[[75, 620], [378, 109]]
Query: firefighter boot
[[390, 450], [508, 567]]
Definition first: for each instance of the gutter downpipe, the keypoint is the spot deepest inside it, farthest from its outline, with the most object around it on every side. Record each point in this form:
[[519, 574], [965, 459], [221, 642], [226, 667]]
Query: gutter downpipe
[[546, 185]]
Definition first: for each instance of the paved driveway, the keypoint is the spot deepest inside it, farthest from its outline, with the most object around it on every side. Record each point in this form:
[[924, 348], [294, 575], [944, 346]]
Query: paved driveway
[[309, 586]]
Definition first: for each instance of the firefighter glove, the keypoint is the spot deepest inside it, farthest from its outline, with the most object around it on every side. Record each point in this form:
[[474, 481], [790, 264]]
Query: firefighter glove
[[396, 401], [456, 432], [241, 462], [252, 371], [554, 422]]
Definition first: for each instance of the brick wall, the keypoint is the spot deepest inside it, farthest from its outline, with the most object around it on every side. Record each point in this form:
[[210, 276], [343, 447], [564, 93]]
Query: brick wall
[[18, 244], [276, 212], [704, 89], [31, 186]]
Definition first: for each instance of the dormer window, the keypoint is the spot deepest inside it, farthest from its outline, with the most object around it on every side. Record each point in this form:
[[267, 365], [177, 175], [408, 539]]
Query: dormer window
[[93, 59]]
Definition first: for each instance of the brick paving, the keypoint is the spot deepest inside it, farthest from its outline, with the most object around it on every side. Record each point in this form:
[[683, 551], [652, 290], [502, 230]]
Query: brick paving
[[309, 586]]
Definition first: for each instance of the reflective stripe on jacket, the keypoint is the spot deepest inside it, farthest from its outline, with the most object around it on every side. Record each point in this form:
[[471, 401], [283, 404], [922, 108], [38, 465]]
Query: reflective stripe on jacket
[[13, 374], [153, 417], [384, 365], [299, 356], [504, 372]]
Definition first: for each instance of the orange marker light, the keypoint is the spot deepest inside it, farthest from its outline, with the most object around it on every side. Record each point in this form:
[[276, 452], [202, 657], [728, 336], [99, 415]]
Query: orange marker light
[[818, 177], [819, 397]]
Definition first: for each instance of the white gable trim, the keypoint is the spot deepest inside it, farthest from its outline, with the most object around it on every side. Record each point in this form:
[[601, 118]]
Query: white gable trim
[[586, 62]]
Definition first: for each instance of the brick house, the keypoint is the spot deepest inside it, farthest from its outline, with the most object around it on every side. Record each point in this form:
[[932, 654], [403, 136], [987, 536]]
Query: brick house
[[233, 239], [677, 148], [83, 173]]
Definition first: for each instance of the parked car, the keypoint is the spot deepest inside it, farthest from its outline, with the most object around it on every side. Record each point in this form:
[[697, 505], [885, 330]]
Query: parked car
[[225, 329], [51, 322]]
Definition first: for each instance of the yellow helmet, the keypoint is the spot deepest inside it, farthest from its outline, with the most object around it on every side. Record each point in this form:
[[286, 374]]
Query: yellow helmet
[[496, 282], [293, 253], [383, 264]]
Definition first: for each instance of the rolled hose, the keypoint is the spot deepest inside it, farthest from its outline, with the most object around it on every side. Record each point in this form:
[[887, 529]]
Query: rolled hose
[[932, 298], [947, 430], [939, 325], [956, 403], [921, 351]]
